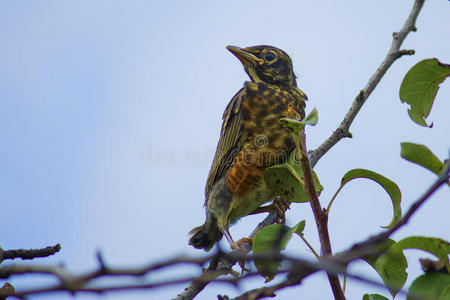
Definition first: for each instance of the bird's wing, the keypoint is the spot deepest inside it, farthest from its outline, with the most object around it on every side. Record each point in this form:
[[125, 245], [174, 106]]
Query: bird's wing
[[228, 146]]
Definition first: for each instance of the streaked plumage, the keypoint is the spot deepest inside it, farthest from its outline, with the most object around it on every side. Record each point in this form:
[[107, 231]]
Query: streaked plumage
[[251, 140]]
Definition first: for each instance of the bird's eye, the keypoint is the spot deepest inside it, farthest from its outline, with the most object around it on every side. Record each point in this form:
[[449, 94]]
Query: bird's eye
[[269, 56]]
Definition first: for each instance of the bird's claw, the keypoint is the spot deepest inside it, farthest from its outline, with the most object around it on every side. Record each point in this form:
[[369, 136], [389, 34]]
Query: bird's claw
[[240, 244], [280, 205]]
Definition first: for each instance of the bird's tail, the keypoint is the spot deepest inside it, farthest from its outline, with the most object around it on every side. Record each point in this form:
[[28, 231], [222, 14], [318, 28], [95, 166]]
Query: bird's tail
[[207, 235]]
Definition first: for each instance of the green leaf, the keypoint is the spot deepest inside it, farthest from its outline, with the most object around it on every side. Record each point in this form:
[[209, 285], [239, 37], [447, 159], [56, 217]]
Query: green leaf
[[388, 185], [286, 180], [298, 229], [312, 118], [381, 248], [436, 246], [421, 155], [374, 297], [420, 85], [391, 266], [435, 286], [285, 183], [295, 125], [264, 241], [267, 239]]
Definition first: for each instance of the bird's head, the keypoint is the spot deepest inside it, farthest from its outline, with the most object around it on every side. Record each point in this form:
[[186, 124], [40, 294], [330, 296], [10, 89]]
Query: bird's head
[[266, 64]]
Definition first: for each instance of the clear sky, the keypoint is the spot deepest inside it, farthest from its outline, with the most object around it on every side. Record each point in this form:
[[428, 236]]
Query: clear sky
[[111, 110]]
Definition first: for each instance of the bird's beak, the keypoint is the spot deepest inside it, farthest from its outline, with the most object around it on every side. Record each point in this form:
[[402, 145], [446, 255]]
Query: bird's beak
[[245, 56]]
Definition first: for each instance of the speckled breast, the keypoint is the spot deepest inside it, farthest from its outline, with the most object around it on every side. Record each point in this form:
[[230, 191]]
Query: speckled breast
[[265, 142]]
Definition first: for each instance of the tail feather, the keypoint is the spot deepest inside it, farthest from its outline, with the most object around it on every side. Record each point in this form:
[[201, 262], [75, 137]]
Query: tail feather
[[205, 236]]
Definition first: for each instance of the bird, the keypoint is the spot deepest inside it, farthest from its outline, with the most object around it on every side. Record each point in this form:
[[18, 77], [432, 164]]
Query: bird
[[251, 140]]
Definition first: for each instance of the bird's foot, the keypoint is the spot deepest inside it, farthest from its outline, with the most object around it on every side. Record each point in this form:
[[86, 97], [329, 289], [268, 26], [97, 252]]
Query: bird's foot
[[280, 205], [240, 244]]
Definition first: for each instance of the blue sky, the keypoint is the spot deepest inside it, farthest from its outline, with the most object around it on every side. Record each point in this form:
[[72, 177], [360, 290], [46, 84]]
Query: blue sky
[[111, 111]]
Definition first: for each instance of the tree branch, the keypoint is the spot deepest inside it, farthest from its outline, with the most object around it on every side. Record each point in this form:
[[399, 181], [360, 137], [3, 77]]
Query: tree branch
[[393, 54], [319, 214], [7, 289], [298, 270], [29, 253]]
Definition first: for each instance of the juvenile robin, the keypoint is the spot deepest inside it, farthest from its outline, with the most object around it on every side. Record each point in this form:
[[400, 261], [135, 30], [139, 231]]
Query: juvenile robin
[[251, 140]]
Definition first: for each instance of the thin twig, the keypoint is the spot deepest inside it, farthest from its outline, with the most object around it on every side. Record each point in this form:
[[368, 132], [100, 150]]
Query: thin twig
[[31, 253], [267, 291], [393, 54], [309, 246]]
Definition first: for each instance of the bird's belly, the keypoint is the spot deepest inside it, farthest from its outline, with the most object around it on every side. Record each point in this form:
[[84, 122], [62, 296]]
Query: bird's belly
[[242, 205]]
